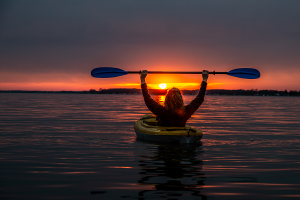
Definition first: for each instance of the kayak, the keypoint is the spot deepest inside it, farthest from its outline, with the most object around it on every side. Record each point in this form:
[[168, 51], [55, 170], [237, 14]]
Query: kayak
[[146, 129]]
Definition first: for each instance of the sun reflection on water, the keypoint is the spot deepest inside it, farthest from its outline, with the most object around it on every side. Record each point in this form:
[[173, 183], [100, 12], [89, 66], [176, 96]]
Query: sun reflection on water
[[160, 99]]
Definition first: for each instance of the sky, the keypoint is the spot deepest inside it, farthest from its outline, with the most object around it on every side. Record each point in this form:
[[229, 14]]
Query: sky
[[54, 44]]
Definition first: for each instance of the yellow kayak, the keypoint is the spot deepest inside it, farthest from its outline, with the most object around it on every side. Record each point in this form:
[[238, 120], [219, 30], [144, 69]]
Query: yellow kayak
[[146, 129]]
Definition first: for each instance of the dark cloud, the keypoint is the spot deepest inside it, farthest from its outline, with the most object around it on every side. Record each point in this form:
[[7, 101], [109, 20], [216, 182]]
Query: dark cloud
[[150, 21]]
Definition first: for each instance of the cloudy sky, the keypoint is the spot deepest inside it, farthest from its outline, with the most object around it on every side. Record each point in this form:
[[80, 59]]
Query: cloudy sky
[[54, 44]]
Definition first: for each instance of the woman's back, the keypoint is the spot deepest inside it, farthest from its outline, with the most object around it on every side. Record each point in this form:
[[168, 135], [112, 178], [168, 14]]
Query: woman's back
[[174, 113]]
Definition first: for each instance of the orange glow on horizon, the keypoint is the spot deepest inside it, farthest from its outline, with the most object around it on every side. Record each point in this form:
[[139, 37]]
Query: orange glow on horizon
[[49, 86], [84, 82], [128, 84], [182, 86], [61, 86]]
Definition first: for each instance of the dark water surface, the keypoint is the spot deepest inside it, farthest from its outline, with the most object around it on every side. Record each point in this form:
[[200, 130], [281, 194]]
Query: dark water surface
[[81, 146]]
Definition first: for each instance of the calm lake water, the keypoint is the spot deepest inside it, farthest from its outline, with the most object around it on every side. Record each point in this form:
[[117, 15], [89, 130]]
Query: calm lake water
[[83, 146]]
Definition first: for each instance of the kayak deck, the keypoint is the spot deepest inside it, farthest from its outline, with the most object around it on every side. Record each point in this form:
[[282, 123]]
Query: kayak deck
[[146, 129]]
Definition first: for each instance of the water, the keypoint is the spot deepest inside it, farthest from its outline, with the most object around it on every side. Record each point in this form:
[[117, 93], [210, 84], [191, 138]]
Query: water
[[81, 146]]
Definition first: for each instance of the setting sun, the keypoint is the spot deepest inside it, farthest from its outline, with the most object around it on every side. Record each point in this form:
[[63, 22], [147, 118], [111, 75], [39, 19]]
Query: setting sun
[[162, 86]]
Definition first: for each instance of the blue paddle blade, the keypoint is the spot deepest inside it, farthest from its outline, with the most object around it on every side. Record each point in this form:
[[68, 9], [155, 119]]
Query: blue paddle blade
[[107, 72], [248, 73]]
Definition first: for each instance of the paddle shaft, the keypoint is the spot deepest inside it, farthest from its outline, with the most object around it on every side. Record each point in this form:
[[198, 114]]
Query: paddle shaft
[[170, 72]]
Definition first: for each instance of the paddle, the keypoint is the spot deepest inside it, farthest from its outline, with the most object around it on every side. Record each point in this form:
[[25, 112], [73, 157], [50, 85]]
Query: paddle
[[109, 72]]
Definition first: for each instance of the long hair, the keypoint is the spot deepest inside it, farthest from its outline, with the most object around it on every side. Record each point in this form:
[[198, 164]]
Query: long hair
[[174, 102]]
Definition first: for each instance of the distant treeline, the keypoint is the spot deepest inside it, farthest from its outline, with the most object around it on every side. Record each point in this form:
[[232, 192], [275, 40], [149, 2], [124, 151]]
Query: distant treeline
[[162, 92], [253, 92]]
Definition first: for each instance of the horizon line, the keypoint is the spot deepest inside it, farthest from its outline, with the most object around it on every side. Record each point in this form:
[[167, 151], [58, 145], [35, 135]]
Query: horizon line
[[139, 89]]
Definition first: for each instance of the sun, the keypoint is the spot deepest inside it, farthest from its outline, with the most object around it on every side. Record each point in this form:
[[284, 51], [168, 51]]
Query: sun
[[163, 86]]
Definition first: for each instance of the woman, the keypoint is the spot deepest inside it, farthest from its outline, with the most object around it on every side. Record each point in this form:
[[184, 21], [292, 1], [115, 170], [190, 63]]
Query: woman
[[174, 113]]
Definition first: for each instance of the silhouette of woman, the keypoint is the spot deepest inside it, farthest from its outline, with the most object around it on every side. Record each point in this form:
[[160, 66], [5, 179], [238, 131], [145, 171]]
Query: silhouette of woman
[[173, 113]]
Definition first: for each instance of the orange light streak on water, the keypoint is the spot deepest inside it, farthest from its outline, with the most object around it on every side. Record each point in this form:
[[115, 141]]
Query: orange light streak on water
[[131, 186], [118, 167], [161, 99]]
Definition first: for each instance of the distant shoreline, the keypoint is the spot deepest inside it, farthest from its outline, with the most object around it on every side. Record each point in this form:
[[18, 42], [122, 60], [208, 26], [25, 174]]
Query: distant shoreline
[[162, 92]]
